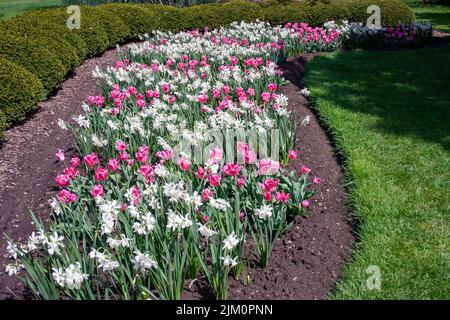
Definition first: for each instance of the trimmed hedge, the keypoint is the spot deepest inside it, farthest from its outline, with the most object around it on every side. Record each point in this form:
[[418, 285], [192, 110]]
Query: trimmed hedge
[[35, 55], [20, 92], [42, 49]]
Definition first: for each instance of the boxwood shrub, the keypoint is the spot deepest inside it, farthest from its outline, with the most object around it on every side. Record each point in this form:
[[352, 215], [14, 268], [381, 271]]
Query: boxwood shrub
[[34, 55], [41, 48], [49, 25], [20, 90]]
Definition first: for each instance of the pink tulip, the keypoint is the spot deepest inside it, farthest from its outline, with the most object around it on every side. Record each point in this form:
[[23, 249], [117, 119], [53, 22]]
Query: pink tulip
[[140, 104], [172, 99], [272, 87], [75, 161], [121, 146], [71, 172], [305, 204], [304, 170], [113, 164], [142, 154], [241, 181], [265, 166], [249, 156], [184, 164], [267, 196], [123, 156], [137, 195], [265, 96], [216, 93], [97, 191], [101, 174], [317, 180], [206, 194], [60, 155], [269, 184], [293, 154], [214, 180], [232, 169], [165, 154], [282, 197], [201, 173], [147, 172], [202, 98], [165, 87], [91, 160], [66, 196], [216, 154], [62, 180]]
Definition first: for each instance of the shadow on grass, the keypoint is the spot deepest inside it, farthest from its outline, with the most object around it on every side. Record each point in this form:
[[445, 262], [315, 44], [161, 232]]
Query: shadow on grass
[[408, 91], [441, 20]]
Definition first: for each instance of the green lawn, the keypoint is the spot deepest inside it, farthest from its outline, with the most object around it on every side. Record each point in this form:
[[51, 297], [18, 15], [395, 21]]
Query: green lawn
[[439, 16], [12, 8], [390, 113]]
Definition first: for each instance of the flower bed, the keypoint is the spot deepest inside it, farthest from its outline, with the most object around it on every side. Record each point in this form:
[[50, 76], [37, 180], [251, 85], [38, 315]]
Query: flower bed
[[176, 173], [398, 36], [40, 43]]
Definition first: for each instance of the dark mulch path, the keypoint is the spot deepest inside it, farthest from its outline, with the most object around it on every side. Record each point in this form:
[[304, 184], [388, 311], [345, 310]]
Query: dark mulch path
[[306, 261], [27, 161]]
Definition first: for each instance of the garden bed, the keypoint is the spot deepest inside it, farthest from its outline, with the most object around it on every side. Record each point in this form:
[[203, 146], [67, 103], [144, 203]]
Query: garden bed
[[329, 260], [308, 260]]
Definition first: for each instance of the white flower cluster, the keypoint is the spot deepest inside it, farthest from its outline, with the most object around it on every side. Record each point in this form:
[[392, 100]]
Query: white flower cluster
[[264, 212], [71, 277], [104, 262], [142, 262]]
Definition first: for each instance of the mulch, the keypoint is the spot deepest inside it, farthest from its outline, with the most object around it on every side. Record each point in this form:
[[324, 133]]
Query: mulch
[[306, 261]]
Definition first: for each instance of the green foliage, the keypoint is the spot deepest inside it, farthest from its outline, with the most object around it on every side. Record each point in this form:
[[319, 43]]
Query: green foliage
[[177, 3], [34, 55], [19, 92], [216, 15], [93, 30], [47, 24], [116, 27], [41, 43], [136, 19], [400, 192]]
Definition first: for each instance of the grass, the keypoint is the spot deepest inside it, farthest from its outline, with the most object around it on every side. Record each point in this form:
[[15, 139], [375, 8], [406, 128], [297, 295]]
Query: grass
[[390, 113], [12, 8], [438, 15]]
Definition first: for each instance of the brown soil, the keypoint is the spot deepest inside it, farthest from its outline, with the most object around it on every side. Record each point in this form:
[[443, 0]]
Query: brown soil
[[306, 261]]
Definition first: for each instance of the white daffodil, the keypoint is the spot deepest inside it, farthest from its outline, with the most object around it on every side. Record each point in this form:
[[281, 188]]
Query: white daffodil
[[142, 262], [229, 262], [264, 212], [54, 243], [230, 242], [205, 231]]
